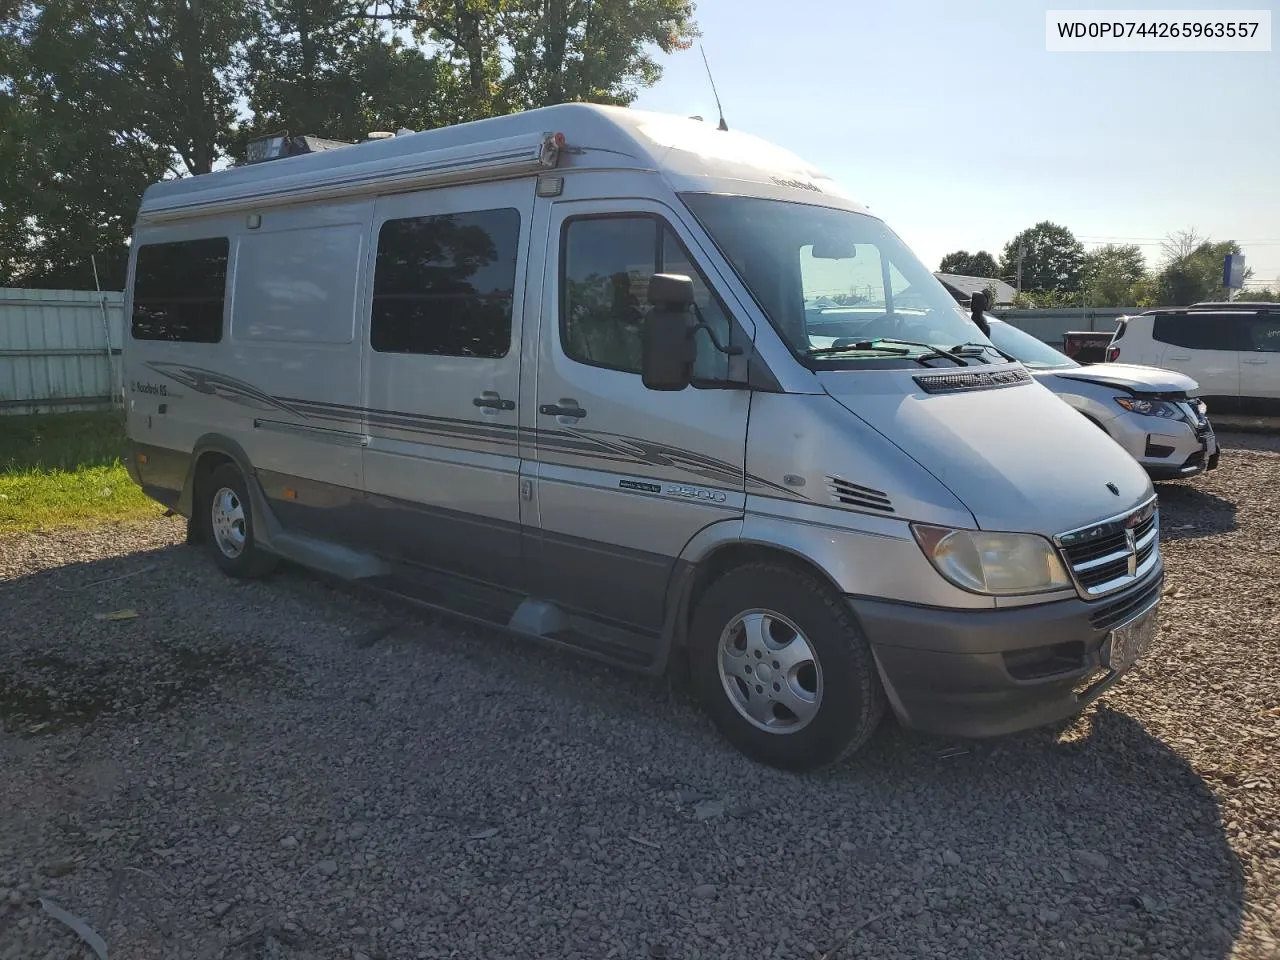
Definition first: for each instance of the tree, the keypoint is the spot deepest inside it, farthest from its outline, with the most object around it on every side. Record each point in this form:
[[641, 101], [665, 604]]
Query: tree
[[1264, 295], [1052, 258], [517, 54], [1111, 274], [964, 263], [1192, 269], [322, 67], [99, 98]]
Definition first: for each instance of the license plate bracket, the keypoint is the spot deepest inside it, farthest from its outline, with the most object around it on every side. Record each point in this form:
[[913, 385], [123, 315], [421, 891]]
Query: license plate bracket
[[1130, 641]]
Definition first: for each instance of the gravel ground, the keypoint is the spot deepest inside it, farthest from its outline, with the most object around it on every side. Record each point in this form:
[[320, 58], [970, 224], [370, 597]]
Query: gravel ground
[[297, 770]]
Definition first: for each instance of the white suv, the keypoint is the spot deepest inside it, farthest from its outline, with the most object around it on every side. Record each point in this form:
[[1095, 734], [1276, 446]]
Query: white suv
[[1231, 349]]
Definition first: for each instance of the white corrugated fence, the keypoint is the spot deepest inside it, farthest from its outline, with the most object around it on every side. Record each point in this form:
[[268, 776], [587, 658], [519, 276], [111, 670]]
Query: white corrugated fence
[[59, 349]]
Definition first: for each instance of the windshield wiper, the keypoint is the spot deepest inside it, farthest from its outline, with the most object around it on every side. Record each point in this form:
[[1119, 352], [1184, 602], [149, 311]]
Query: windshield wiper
[[959, 350], [865, 345], [933, 352], [877, 345]]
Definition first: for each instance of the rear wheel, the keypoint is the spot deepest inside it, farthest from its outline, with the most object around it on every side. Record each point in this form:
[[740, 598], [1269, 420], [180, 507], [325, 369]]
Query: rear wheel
[[230, 525], [782, 667]]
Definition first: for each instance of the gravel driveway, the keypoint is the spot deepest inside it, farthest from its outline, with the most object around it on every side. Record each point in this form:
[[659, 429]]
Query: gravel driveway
[[294, 770]]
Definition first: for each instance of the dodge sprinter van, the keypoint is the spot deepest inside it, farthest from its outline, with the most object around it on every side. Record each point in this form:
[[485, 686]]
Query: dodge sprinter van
[[642, 388]]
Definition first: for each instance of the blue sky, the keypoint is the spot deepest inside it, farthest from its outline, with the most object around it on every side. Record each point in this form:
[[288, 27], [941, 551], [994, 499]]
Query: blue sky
[[952, 122]]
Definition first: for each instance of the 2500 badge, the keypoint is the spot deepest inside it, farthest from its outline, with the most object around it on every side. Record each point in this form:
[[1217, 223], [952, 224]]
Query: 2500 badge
[[695, 493]]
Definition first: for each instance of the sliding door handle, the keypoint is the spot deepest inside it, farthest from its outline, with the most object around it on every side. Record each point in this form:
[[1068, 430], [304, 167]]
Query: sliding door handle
[[490, 400], [567, 407]]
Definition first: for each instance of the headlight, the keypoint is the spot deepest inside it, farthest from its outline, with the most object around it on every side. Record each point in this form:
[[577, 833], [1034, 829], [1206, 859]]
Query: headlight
[[993, 563], [1150, 408]]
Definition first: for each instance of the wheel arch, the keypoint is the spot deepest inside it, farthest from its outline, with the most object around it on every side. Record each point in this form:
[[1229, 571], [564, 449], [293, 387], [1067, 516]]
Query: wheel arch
[[210, 452], [710, 555]]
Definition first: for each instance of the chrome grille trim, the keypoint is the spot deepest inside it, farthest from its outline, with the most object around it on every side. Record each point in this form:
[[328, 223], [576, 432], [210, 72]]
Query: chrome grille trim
[[1112, 554]]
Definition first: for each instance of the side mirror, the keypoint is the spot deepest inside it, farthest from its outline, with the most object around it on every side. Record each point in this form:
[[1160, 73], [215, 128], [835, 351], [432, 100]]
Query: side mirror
[[978, 304], [668, 347]]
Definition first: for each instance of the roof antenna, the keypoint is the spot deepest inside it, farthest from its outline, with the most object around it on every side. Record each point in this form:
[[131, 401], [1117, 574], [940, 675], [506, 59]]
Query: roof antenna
[[719, 109]]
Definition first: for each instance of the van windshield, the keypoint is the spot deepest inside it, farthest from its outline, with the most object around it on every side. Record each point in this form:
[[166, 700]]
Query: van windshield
[[838, 286]]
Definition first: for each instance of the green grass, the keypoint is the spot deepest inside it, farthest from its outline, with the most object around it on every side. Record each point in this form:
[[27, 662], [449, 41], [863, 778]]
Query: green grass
[[64, 470]]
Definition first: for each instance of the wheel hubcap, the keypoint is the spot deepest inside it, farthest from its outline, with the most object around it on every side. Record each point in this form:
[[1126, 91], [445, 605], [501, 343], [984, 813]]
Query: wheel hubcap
[[770, 671], [227, 521]]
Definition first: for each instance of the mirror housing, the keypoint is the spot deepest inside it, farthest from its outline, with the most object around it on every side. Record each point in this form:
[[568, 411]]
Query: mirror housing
[[668, 348], [978, 305]]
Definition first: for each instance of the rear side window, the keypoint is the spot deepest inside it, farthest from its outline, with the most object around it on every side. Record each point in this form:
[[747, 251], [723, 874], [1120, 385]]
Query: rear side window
[[1264, 334], [444, 285], [606, 265], [179, 290], [1198, 331]]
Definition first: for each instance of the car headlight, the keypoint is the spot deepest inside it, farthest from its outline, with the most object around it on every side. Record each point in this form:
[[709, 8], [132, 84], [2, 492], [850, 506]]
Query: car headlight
[[999, 564], [1150, 408]]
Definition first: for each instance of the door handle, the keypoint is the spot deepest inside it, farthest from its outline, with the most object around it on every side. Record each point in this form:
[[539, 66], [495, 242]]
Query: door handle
[[1253, 359], [567, 407], [1179, 356], [490, 400]]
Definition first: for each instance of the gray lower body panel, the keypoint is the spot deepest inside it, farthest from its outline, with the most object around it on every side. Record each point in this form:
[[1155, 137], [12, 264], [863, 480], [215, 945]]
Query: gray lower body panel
[[993, 672]]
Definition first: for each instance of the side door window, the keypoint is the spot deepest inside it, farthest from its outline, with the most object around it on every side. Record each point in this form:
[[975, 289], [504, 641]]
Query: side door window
[[607, 263]]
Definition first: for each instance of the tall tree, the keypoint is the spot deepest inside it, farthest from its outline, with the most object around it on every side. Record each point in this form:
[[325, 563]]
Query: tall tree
[[1052, 258], [1195, 274], [326, 68], [517, 54], [1112, 274], [964, 263]]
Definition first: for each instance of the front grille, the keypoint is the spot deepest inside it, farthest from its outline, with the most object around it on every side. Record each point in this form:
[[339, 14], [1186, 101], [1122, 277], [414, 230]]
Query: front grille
[[1113, 554], [1118, 611]]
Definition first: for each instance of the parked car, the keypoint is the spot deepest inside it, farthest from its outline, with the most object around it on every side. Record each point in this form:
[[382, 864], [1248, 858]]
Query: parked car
[[1156, 415], [556, 372], [1231, 349]]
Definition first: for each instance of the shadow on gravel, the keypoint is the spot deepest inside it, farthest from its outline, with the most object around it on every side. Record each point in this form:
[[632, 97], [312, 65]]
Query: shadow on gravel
[[138, 665], [1112, 838], [1188, 512]]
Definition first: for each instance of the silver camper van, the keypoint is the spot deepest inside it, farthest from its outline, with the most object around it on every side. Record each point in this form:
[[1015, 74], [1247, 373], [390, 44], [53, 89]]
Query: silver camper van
[[642, 388]]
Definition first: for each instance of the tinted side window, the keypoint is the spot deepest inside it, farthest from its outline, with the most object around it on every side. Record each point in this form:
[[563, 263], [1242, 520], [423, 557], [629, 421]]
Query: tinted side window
[[1264, 334], [445, 285], [1198, 331], [606, 264], [179, 290]]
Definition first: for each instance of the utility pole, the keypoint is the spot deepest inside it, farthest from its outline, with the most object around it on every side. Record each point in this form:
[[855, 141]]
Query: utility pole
[[1022, 251]]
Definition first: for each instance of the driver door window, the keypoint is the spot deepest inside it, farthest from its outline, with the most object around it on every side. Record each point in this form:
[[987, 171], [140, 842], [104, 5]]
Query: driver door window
[[608, 262]]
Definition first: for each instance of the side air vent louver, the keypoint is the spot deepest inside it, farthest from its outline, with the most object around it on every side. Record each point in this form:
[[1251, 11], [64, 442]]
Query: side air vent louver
[[975, 380], [853, 495]]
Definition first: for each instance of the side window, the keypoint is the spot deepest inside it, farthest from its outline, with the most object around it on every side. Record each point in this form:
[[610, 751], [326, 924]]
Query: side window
[[179, 290], [605, 270], [445, 285], [297, 286], [1264, 334], [1203, 331]]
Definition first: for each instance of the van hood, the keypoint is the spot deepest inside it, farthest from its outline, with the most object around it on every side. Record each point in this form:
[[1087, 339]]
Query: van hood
[[1017, 457], [1132, 377]]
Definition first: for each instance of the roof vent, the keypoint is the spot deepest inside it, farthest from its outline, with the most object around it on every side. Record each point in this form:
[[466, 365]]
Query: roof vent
[[281, 145], [380, 135]]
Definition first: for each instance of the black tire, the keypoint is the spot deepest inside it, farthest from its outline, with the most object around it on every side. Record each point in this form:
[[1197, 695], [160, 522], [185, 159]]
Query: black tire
[[852, 700], [251, 562]]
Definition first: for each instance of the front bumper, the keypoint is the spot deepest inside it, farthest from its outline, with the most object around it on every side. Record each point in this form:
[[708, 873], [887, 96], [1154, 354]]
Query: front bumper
[[1167, 449], [992, 672]]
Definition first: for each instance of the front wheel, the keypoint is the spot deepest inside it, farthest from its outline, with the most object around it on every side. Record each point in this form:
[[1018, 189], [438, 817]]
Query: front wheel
[[780, 664], [230, 519]]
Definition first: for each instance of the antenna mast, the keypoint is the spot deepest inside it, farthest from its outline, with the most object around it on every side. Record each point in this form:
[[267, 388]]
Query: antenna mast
[[719, 109]]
